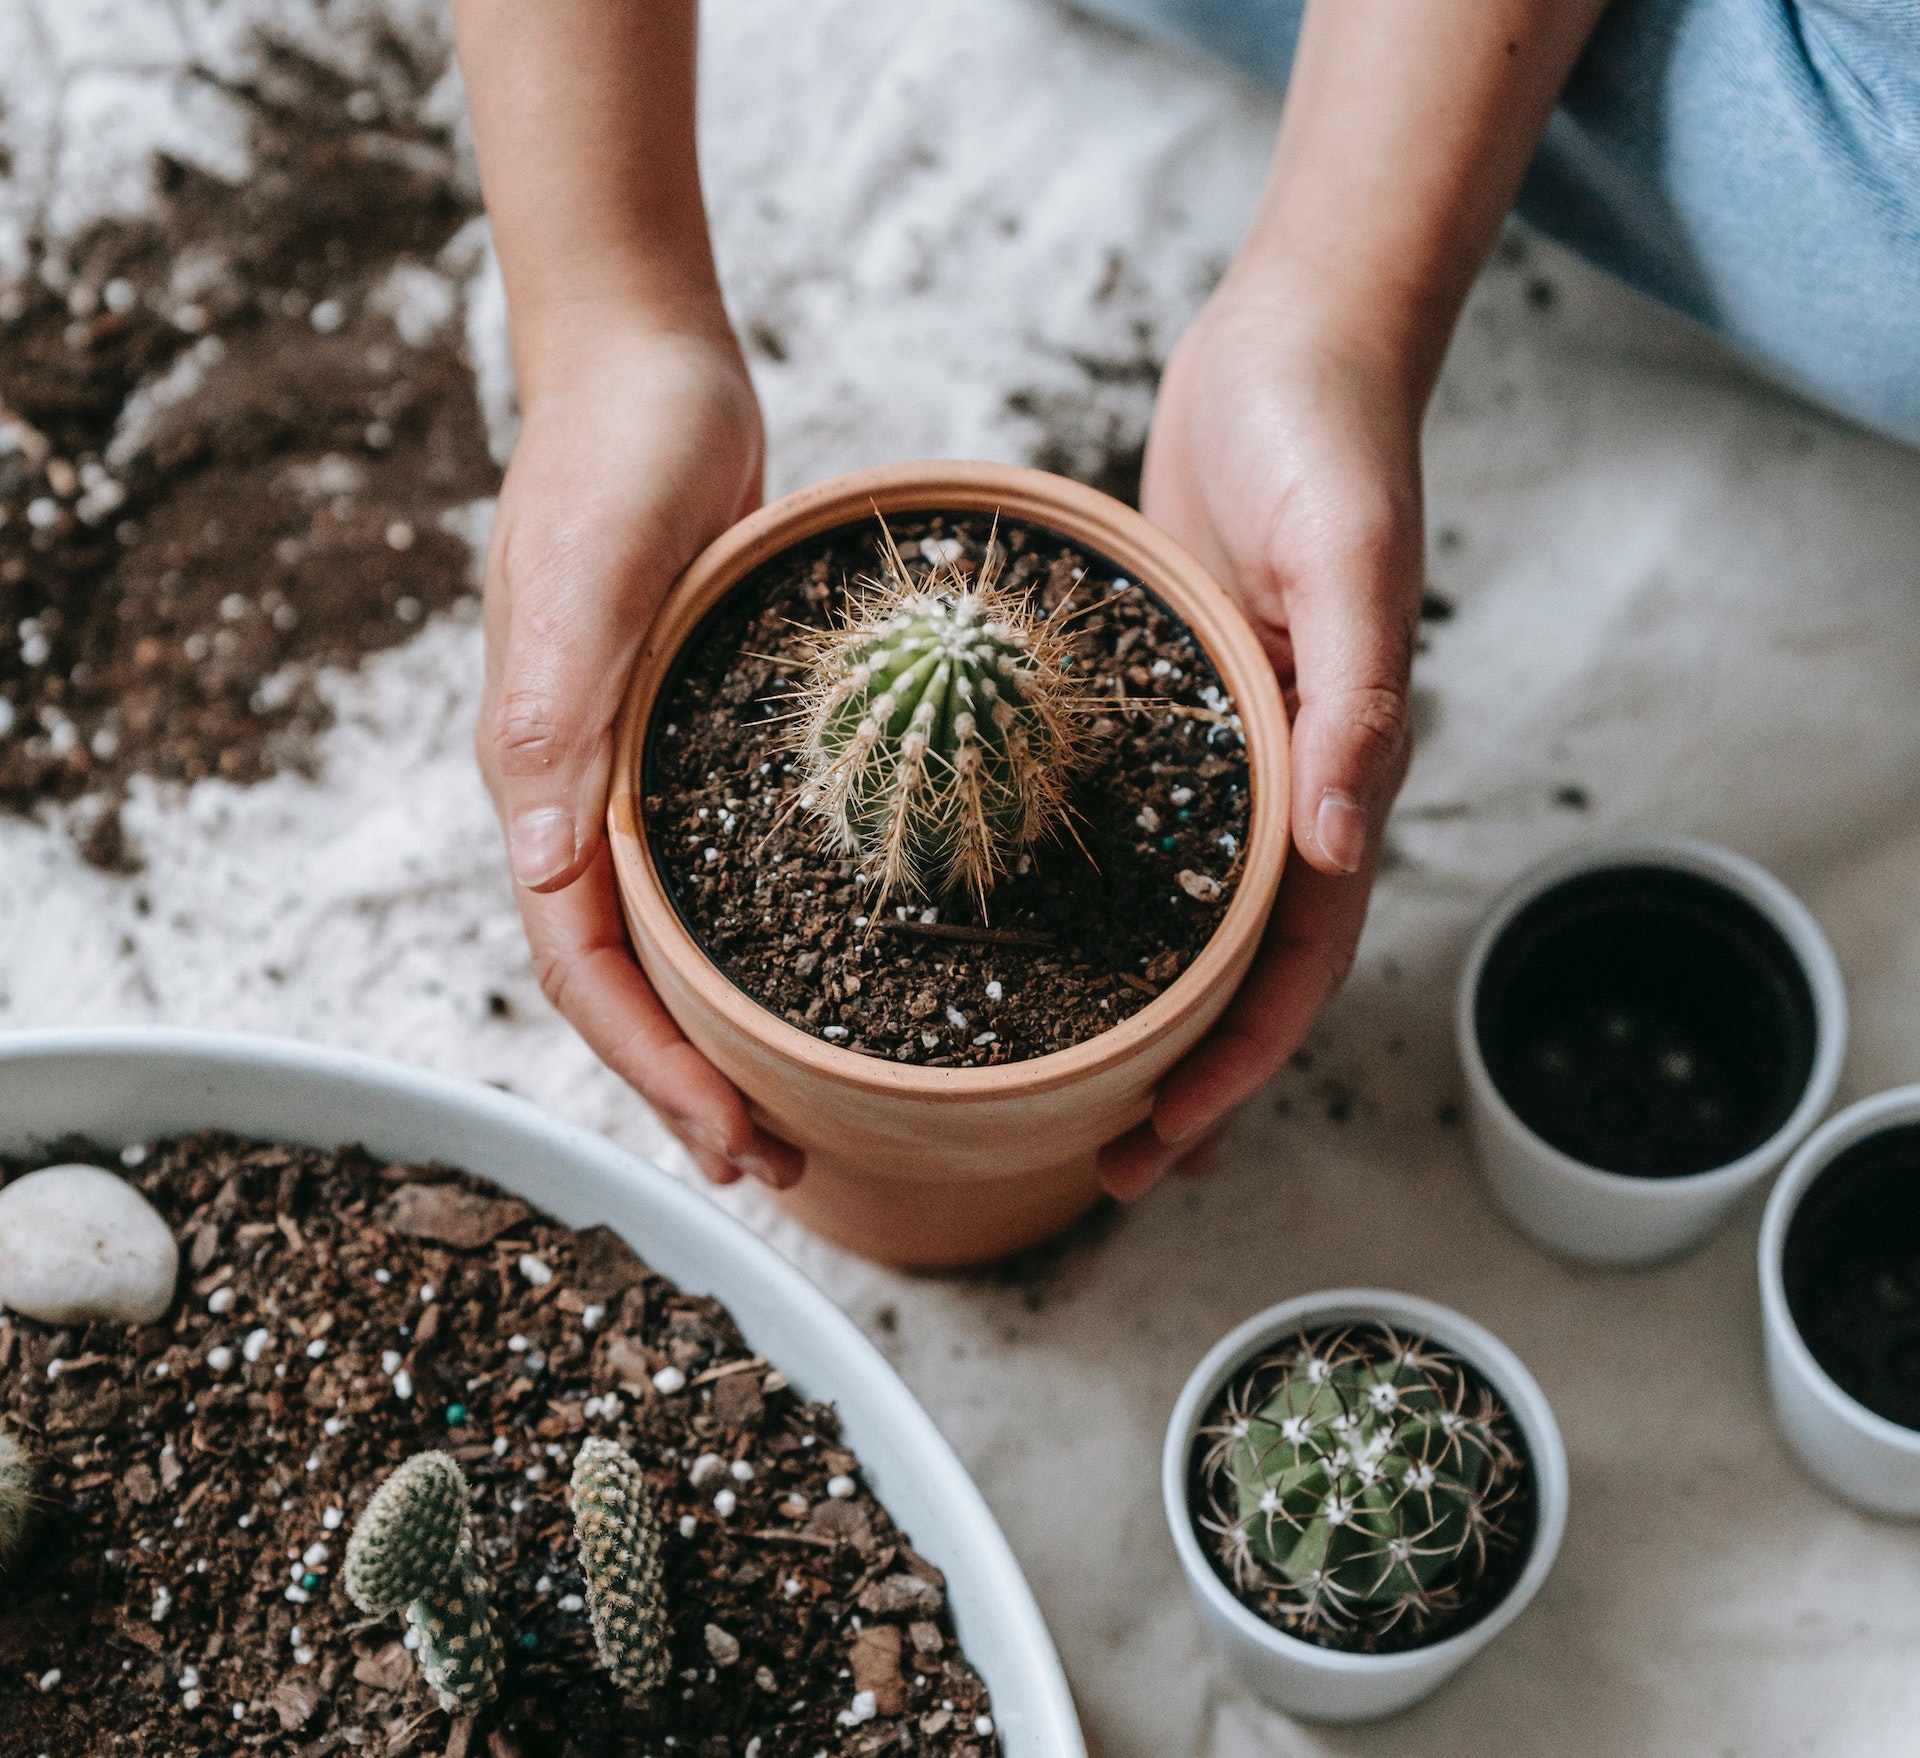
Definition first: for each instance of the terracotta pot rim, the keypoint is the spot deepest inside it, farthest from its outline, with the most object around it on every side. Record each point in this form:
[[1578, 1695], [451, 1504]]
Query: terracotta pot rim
[[1085, 516]]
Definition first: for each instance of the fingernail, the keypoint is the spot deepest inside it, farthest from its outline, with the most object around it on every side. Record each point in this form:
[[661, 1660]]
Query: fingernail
[[770, 1172], [1340, 828], [540, 844]]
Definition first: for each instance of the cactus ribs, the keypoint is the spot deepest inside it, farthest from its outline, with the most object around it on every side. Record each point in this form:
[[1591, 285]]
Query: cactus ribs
[[1029, 924], [200, 1479]]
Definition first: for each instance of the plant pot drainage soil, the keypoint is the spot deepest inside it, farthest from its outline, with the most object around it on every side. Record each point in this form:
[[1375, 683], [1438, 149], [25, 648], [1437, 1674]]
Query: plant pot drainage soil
[[1084, 930], [1363, 1489], [1851, 1268], [200, 1478], [1646, 1021]]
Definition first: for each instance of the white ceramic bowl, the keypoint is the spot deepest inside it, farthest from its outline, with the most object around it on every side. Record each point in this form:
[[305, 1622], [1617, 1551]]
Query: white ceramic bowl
[[1871, 1461], [1325, 1684], [122, 1086], [1605, 1217]]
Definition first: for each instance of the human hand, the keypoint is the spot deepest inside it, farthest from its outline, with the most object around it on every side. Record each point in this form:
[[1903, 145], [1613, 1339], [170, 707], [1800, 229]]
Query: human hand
[[1287, 460], [633, 454]]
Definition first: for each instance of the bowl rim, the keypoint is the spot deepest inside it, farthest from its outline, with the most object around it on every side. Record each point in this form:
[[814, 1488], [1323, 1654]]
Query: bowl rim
[[1747, 880], [1083, 515], [1045, 1712], [1455, 1331], [1868, 1117]]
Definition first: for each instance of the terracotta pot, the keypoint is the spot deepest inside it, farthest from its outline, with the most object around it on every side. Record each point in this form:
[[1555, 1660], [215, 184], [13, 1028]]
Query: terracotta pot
[[931, 1167]]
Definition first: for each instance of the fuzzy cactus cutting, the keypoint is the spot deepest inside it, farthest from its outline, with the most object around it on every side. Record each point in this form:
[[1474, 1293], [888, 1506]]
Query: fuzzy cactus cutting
[[619, 1543], [413, 1547], [1362, 1483], [940, 727], [17, 1488]]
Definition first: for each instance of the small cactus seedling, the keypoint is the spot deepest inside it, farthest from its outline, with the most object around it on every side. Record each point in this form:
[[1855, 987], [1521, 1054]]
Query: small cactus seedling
[[1360, 1480], [939, 727], [413, 1547], [16, 1496], [619, 1542]]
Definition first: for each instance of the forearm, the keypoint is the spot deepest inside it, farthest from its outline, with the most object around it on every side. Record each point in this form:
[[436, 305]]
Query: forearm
[[1408, 126], [583, 117]]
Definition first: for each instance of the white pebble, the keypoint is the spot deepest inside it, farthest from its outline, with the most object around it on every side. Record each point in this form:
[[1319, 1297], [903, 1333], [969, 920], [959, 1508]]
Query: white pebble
[[333, 1425], [669, 1380], [383, 1277], [1181, 796], [544, 1584], [688, 1525], [314, 1555], [79, 1244], [390, 1360], [303, 1657], [133, 1154], [189, 1677], [538, 1273], [189, 1699], [590, 1409], [983, 1725], [219, 1300], [571, 1602], [742, 1471], [833, 1031], [985, 1038], [411, 1639], [316, 1349], [517, 1343], [162, 1603], [725, 1503], [219, 1358], [591, 1316], [705, 1469], [863, 1708], [427, 1293], [1148, 819], [313, 1461], [956, 1018], [535, 1473], [499, 1446], [403, 1384], [49, 1678], [331, 1519], [840, 1488], [994, 991], [257, 1344], [239, 1712]]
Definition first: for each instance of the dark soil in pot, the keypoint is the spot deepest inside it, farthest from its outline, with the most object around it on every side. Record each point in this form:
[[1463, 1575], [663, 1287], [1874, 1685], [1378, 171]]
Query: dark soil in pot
[[173, 1577], [1086, 930], [1647, 1021], [1351, 1551], [1851, 1267]]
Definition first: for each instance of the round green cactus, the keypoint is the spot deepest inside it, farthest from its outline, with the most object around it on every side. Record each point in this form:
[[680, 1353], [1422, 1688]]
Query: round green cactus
[[412, 1547], [17, 1488], [619, 1543], [1365, 1476], [939, 728]]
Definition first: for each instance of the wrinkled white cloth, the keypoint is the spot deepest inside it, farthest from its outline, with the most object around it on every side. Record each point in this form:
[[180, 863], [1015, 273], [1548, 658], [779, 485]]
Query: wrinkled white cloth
[[961, 228]]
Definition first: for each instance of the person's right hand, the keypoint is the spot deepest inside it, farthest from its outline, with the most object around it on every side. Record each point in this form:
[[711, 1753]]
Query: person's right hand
[[634, 452]]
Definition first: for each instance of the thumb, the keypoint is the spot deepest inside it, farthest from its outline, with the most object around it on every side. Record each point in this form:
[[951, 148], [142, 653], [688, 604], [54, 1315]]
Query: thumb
[[565, 619], [1353, 619]]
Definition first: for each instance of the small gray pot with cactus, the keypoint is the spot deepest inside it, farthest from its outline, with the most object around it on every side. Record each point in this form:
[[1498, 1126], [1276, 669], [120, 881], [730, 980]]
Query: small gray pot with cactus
[[1364, 1489]]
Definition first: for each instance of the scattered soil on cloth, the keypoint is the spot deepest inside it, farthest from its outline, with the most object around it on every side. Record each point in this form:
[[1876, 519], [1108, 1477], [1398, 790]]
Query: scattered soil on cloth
[[186, 1559], [1453, 1605], [1088, 928], [228, 435]]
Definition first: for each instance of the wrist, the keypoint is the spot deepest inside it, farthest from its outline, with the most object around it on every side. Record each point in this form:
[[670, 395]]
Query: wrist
[[570, 341]]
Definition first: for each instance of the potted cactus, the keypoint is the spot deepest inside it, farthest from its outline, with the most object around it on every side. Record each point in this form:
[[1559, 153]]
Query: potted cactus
[[1364, 1489], [949, 804]]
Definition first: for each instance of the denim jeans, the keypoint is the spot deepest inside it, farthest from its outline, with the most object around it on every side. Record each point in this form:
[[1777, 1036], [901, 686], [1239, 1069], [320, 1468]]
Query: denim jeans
[[1754, 164]]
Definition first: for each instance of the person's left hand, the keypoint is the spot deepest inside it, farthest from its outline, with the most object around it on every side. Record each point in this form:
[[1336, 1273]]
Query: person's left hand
[[1286, 457]]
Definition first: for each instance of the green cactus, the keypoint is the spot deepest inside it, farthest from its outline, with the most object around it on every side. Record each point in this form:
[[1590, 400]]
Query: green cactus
[[939, 729], [412, 1547], [619, 1543], [17, 1488], [1364, 1476]]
